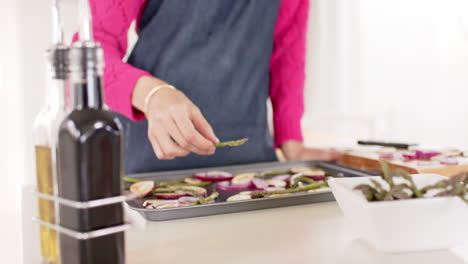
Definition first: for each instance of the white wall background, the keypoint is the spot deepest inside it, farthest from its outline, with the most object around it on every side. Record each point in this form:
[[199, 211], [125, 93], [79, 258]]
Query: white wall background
[[12, 126], [394, 70]]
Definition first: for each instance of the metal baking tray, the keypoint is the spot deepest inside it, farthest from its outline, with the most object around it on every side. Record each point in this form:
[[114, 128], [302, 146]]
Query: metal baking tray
[[222, 207]]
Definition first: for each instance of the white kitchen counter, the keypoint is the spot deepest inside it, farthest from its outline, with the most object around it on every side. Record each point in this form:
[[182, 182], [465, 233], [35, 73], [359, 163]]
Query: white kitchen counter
[[315, 233]]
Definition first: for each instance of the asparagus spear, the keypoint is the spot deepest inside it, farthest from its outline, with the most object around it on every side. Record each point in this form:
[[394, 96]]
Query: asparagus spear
[[295, 183], [183, 183], [274, 173], [206, 200], [233, 143], [131, 180], [313, 186]]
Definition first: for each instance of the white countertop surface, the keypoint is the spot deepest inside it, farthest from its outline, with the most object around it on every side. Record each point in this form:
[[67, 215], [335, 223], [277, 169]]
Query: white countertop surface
[[315, 233]]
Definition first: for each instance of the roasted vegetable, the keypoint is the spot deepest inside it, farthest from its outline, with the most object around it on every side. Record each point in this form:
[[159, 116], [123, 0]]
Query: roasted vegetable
[[315, 185], [186, 182], [175, 192], [142, 188], [205, 200], [214, 176]]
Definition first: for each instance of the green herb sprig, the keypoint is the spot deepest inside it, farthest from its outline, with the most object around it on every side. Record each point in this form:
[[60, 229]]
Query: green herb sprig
[[455, 186]]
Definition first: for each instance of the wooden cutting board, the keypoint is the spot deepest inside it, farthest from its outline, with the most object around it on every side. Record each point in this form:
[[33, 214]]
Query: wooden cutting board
[[367, 163]]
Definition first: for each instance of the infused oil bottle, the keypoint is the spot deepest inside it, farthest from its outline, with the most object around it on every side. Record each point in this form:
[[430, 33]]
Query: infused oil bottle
[[45, 141], [90, 158]]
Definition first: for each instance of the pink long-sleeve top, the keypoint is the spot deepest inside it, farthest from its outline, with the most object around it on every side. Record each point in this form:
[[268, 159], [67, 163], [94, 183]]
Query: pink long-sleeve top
[[112, 19]]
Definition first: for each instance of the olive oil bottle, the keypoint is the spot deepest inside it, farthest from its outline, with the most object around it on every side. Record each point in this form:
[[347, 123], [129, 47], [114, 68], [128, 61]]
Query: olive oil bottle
[[90, 158], [45, 138]]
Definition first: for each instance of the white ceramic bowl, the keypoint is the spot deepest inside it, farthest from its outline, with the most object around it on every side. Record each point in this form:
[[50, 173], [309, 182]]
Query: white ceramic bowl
[[404, 225]]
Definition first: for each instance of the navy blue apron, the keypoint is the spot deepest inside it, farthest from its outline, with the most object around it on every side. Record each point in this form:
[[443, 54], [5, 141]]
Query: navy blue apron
[[218, 53]]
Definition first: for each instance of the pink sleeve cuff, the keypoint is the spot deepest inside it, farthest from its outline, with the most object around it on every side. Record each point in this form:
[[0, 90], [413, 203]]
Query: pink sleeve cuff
[[119, 90], [288, 70], [287, 128]]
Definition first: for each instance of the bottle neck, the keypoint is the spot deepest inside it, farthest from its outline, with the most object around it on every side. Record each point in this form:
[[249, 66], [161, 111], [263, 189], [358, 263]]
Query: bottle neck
[[86, 75], [58, 95], [58, 86], [88, 93]]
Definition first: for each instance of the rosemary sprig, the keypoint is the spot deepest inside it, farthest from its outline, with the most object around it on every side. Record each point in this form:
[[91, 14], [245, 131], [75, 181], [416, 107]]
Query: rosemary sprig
[[233, 143], [313, 186]]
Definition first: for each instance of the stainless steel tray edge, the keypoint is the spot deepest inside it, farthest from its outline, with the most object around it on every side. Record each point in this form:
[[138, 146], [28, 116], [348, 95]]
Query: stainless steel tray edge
[[241, 206]]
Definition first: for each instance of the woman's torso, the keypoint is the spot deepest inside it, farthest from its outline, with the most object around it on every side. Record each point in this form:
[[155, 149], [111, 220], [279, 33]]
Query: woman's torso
[[218, 53]]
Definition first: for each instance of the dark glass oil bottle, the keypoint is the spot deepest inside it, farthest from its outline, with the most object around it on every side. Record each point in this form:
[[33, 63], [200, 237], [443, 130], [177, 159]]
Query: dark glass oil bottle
[[90, 158]]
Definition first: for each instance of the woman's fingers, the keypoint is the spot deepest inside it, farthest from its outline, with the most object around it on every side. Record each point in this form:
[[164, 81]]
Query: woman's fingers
[[168, 147], [156, 148], [202, 125], [202, 145], [173, 117], [179, 138]]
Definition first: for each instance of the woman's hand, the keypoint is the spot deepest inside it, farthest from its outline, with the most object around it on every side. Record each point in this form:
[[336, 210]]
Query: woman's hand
[[176, 127], [295, 150]]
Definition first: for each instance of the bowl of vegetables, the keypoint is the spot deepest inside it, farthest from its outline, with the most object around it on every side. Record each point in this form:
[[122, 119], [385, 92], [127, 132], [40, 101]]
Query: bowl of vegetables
[[398, 212]]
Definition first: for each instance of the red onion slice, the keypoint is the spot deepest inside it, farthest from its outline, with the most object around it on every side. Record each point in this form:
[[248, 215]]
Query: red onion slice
[[425, 155], [449, 161], [316, 177], [171, 205], [259, 183], [285, 177], [188, 199], [386, 156], [274, 189], [171, 196], [152, 204], [142, 189], [214, 176], [234, 187], [409, 156]]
